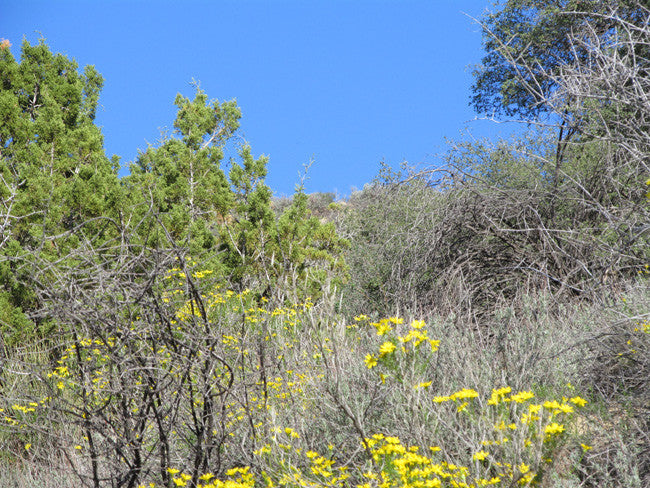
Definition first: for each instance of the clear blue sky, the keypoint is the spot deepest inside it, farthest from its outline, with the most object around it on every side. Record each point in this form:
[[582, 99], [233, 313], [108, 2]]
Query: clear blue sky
[[347, 83]]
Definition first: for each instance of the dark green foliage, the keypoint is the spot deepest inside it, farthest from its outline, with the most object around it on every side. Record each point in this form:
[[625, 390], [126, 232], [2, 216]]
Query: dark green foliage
[[249, 231], [310, 251], [526, 43], [57, 185], [580, 66], [183, 176], [50, 145], [15, 327], [228, 220]]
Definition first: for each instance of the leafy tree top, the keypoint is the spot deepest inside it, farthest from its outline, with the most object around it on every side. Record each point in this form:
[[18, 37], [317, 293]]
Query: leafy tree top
[[50, 148], [528, 42]]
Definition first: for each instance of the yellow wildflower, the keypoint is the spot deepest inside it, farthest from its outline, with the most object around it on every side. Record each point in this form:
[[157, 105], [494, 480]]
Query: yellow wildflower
[[498, 394], [464, 394], [564, 408], [371, 361], [553, 429], [480, 456], [522, 396], [386, 348], [383, 328], [554, 405], [418, 324], [580, 402]]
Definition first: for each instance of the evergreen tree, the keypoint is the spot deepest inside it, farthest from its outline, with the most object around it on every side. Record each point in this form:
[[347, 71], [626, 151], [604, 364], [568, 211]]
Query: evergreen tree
[[247, 234], [311, 251], [183, 176], [227, 220], [58, 185]]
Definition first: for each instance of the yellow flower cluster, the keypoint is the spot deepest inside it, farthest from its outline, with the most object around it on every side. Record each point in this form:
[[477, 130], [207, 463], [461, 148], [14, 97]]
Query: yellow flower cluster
[[415, 336], [643, 327], [239, 478], [463, 394], [499, 395], [398, 465], [287, 381], [313, 470]]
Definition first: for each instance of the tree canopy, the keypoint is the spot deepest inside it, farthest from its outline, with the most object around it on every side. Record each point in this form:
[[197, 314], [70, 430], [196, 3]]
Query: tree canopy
[[60, 193], [530, 44]]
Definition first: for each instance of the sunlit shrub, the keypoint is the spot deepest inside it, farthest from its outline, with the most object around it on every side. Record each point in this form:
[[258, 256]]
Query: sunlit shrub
[[219, 389]]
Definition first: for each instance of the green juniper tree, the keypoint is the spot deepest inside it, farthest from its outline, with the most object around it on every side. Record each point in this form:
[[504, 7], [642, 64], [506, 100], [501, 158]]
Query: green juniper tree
[[247, 234], [57, 184], [226, 219], [183, 177], [310, 251]]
